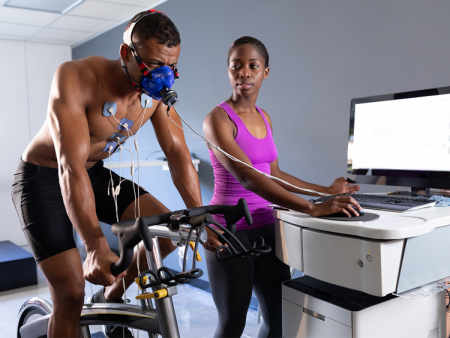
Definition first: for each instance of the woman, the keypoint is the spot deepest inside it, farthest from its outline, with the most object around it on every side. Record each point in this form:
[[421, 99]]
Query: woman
[[243, 130]]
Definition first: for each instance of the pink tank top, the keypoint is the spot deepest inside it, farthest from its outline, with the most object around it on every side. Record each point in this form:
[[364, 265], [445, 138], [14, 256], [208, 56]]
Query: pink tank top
[[228, 190]]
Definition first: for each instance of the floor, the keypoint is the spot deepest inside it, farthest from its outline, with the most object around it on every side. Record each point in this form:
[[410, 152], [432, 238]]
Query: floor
[[195, 310]]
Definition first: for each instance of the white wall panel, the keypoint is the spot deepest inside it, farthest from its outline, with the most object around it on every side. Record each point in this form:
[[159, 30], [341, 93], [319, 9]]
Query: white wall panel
[[25, 81], [42, 62], [15, 131]]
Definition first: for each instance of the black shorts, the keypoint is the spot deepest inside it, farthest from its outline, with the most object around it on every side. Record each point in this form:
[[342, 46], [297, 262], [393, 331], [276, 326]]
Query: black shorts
[[36, 194]]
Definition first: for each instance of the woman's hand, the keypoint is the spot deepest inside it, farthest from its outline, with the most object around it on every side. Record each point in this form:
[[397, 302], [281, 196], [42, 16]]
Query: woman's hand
[[338, 204], [212, 243], [341, 186]]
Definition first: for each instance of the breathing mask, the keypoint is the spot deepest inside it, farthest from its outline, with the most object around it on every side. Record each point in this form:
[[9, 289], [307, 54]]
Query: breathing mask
[[155, 83]]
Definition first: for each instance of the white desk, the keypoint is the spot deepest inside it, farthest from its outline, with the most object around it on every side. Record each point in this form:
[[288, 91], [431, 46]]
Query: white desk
[[156, 163], [394, 253]]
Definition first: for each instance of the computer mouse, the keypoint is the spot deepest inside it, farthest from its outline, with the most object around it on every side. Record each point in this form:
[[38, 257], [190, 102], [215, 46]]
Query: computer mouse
[[341, 214]]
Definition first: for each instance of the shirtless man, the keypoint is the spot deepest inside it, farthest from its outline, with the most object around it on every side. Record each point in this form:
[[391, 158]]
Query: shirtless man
[[60, 181]]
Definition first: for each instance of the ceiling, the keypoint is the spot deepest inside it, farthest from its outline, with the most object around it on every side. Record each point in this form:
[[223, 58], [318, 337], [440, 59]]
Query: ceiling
[[69, 22]]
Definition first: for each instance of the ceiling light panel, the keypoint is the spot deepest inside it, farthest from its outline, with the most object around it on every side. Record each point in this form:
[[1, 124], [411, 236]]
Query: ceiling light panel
[[105, 10], [82, 24], [61, 35], [54, 6], [25, 16], [18, 30], [12, 37], [140, 3]]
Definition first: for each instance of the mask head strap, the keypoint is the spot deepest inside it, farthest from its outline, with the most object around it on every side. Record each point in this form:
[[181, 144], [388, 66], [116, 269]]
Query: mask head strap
[[136, 85]]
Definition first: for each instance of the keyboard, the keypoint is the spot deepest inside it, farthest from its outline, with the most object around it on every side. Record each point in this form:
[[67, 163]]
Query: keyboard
[[386, 202]]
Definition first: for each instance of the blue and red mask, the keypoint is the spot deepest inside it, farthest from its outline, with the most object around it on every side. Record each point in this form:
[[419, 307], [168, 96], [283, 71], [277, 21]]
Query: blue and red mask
[[152, 81]]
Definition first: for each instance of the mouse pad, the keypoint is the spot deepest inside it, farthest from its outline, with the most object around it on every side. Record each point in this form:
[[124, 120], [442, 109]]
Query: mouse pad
[[368, 216]]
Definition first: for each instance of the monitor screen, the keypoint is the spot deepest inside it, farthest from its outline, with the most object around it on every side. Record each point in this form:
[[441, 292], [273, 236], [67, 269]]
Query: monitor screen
[[401, 139]]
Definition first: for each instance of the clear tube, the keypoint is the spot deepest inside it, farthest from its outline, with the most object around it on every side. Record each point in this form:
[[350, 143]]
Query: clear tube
[[203, 138]]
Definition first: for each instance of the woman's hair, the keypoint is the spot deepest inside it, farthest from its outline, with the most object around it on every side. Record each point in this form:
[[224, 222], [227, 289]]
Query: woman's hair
[[252, 41]]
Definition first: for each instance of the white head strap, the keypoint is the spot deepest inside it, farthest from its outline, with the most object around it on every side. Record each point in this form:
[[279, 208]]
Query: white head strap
[[129, 31]]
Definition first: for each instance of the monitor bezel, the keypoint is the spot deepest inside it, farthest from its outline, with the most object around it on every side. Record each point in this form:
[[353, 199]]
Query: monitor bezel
[[356, 176]]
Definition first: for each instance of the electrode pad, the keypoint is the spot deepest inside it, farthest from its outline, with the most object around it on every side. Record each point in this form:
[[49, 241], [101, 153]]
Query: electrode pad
[[112, 144], [125, 124], [118, 137], [145, 97], [109, 109]]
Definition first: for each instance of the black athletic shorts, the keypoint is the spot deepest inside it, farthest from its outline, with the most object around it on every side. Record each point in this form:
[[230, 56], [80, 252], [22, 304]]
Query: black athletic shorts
[[36, 194]]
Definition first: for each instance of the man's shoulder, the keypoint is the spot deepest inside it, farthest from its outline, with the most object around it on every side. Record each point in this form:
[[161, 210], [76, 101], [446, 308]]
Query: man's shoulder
[[86, 70]]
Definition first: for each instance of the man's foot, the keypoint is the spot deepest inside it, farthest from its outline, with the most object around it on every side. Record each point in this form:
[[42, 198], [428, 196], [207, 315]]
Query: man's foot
[[110, 330]]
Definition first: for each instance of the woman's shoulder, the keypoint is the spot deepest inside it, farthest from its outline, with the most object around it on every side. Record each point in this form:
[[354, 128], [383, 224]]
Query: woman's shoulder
[[217, 115], [218, 121], [267, 116]]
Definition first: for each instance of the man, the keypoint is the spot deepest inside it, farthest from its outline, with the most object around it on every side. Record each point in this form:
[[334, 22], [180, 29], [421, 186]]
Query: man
[[61, 182]]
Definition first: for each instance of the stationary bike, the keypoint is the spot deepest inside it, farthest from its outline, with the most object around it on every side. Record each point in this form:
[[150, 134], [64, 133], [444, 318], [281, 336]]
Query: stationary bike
[[156, 314]]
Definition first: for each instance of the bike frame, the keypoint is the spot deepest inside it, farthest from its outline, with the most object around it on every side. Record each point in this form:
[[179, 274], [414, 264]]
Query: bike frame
[[160, 319]]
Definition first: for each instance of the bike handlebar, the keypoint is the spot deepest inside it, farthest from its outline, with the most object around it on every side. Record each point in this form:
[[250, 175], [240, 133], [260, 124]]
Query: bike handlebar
[[130, 232]]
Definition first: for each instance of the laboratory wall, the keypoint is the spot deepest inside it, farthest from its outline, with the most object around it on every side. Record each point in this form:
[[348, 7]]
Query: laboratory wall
[[26, 70]]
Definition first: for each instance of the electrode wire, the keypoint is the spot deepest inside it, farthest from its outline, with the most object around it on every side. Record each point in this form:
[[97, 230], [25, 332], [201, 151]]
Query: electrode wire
[[116, 193], [203, 138], [113, 190]]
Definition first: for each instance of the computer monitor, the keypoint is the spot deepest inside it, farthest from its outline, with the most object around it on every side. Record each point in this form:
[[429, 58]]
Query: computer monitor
[[401, 139]]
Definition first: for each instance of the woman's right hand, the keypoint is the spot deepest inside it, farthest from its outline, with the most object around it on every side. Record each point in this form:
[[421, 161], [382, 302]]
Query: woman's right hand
[[212, 243], [337, 204]]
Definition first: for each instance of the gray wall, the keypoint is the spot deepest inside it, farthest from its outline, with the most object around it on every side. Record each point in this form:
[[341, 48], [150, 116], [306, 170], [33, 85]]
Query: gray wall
[[322, 54]]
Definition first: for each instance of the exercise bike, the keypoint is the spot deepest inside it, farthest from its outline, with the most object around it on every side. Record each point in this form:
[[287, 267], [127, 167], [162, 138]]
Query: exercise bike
[[156, 314]]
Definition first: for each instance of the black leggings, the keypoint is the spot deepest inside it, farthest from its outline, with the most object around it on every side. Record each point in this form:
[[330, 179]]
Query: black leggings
[[232, 282]]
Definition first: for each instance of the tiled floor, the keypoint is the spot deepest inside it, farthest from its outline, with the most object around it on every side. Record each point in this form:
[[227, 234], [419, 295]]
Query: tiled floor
[[195, 310]]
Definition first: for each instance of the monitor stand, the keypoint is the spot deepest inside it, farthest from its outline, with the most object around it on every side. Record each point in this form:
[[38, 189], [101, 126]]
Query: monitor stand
[[416, 192]]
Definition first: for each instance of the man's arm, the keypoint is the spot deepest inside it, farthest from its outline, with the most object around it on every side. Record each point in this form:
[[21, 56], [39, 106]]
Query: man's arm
[[172, 142], [70, 133]]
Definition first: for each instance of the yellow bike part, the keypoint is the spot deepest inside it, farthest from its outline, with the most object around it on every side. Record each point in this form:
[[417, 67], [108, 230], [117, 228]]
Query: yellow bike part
[[157, 294], [144, 279], [198, 257]]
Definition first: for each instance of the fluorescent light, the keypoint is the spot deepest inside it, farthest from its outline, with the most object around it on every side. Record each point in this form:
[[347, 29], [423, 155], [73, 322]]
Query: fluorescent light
[[60, 6]]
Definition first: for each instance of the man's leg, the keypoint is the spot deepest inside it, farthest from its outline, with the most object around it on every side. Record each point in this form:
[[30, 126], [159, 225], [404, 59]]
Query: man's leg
[[64, 274], [149, 205]]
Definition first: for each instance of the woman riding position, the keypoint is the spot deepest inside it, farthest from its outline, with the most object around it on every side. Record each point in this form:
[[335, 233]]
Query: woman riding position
[[243, 130]]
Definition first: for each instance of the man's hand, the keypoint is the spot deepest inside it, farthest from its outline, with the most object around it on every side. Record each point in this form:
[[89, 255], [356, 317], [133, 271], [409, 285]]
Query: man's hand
[[97, 266], [338, 204], [341, 186], [212, 243]]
